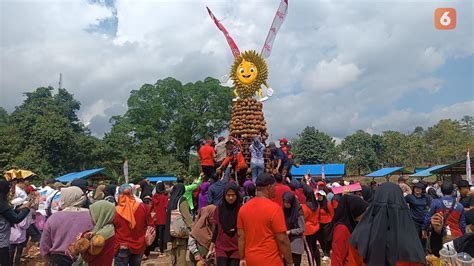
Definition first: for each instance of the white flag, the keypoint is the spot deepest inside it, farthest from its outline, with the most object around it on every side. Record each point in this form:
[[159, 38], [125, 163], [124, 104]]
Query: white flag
[[125, 170], [323, 176], [468, 168]]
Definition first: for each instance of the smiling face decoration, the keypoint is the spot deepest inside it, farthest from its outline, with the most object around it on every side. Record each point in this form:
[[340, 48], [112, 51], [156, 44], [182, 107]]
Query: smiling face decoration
[[246, 72], [249, 72]]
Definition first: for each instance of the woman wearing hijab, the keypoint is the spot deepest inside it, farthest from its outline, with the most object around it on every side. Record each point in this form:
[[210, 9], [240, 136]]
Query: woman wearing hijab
[[347, 214], [201, 234], [294, 219], [367, 194], [109, 193], [8, 217], [311, 218], [203, 191], [130, 227], [225, 239], [297, 188], [249, 192], [386, 235], [102, 236], [62, 228], [326, 213], [178, 245], [160, 203]]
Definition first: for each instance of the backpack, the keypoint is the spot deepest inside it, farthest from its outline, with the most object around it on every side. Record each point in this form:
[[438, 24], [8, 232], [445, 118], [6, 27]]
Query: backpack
[[178, 227]]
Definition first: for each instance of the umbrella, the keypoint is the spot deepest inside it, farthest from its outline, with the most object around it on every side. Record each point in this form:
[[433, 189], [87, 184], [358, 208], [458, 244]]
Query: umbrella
[[13, 174]]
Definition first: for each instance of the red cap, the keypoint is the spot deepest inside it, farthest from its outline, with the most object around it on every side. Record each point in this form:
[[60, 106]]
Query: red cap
[[284, 140], [321, 184], [29, 189]]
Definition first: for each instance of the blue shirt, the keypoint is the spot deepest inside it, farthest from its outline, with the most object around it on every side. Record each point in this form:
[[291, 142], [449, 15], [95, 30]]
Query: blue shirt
[[418, 207]]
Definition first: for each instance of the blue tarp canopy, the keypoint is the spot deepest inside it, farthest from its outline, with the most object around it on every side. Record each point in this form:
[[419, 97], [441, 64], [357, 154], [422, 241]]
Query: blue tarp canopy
[[427, 172], [330, 170], [84, 174], [156, 178], [388, 171]]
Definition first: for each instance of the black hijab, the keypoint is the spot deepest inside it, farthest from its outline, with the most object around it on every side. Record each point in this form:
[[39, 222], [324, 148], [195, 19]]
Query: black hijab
[[176, 193], [386, 234], [228, 212], [295, 184], [160, 187], [4, 190], [367, 193], [311, 201], [350, 207], [292, 214], [323, 203], [147, 189], [109, 190]]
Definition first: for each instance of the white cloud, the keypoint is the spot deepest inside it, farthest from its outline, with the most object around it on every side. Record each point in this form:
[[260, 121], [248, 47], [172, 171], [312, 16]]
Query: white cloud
[[337, 65], [331, 75]]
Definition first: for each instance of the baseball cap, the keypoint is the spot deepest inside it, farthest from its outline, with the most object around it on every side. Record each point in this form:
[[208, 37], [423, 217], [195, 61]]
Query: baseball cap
[[321, 192], [463, 183], [284, 140]]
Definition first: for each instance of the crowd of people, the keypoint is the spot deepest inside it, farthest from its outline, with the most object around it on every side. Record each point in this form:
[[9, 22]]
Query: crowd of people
[[235, 215]]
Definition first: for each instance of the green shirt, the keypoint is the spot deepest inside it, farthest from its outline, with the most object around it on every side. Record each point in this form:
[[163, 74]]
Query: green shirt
[[188, 192]]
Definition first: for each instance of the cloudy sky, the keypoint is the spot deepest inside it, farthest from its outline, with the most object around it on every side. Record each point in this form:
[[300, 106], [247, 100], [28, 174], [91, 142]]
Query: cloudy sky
[[338, 65]]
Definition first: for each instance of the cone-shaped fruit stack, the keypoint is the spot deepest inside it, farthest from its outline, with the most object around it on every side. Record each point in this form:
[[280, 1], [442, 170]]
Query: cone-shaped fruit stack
[[247, 122]]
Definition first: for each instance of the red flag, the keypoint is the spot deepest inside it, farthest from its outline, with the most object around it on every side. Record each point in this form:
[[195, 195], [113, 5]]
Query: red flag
[[230, 41], [276, 24]]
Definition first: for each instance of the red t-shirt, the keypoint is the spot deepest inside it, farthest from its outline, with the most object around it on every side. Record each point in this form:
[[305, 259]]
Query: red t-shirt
[[133, 239], [206, 155], [324, 216], [279, 190], [160, 203], [241, 164], [300, 195], [260, 219], [311, 219]]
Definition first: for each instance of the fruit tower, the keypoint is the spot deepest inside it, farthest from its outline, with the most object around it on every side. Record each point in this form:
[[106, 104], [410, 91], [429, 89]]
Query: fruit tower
[[249, 73]]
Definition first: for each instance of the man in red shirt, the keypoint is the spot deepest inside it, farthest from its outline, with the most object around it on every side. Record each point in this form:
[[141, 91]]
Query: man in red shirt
[[207, 155], [262, 228], [280, 188]]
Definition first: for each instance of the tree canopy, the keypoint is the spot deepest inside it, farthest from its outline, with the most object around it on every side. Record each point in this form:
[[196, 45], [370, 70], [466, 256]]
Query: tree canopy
[[166, 123]]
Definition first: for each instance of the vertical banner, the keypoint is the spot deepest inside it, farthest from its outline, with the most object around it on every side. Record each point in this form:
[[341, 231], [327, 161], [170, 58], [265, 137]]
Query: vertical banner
[[468, 168], [276, 24], [125, 170], [323, 176], [230, 41]]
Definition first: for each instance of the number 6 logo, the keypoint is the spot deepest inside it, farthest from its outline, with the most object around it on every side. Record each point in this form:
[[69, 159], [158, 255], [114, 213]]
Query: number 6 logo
[[445, 18]]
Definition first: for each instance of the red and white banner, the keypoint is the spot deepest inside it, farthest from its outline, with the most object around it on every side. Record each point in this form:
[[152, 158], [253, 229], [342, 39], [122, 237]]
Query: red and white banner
[[230, 41], [468, 168], [276, 24]]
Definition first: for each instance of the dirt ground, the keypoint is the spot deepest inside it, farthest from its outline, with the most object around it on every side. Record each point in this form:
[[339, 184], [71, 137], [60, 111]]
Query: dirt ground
[[154, 260]]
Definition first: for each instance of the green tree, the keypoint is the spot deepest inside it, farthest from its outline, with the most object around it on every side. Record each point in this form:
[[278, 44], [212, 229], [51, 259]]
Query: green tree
[[396, 144], [359, 153], [447, 141], [313, 146], [46, 126], [179, 117]]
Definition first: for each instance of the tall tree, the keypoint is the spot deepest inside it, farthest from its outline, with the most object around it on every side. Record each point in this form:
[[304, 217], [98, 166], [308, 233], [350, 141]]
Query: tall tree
[[447, 141], [359, 153], [313, 146], [179, 117]]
